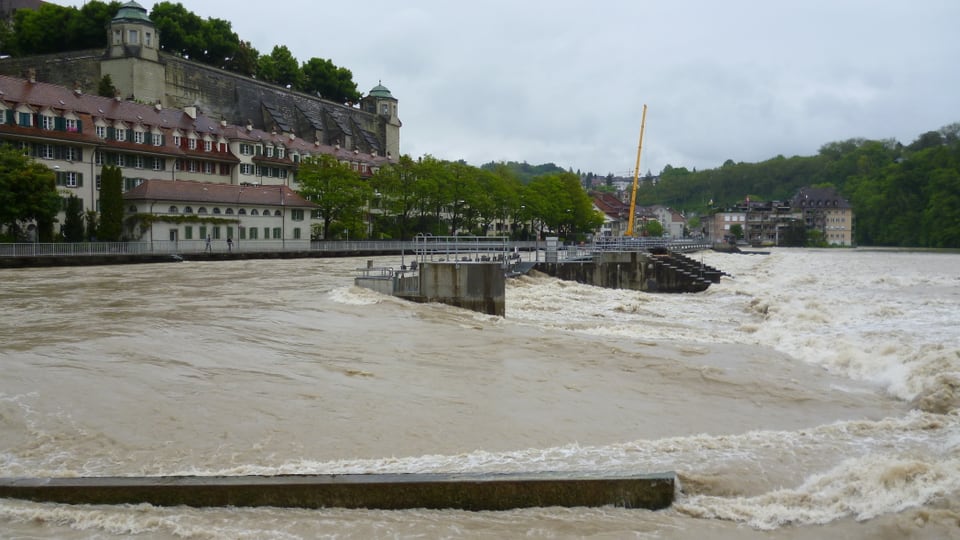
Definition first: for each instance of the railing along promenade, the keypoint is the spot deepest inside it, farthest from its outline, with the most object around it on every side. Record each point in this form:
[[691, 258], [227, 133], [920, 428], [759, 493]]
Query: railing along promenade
[[448, 245]]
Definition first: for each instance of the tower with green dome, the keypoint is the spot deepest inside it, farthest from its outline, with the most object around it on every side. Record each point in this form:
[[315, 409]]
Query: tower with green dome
[[132, 59], [380, 101]]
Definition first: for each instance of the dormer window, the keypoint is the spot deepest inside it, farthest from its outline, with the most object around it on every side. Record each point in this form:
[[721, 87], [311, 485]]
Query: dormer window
[[138, 137], [72, 125], [281, 152], [46, 122], [101, 132], [120, 134], [192, 143], [207, 146], [177, 140], [269, 151]]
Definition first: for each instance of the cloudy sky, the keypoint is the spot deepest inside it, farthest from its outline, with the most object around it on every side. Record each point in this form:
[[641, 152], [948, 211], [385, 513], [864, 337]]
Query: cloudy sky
[[565, 81]]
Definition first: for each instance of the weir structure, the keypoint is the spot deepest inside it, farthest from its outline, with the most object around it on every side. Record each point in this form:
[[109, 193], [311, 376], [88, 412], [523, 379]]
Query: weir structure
[[470, 271], [464, 491]]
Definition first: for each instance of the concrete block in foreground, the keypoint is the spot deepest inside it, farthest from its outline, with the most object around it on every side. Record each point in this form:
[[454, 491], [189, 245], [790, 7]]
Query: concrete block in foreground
[[377, 491]]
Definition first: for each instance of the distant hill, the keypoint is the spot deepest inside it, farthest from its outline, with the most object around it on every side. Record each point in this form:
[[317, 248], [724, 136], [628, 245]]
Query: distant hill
[[524, 171]]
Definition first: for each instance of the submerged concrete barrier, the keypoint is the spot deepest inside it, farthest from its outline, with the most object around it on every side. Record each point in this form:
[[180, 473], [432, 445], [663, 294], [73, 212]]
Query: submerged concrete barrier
[[376, 491]]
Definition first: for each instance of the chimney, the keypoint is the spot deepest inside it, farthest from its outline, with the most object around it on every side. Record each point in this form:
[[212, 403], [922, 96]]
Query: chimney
[[32, 75], [158, 106], [191, 111], [76, 88]]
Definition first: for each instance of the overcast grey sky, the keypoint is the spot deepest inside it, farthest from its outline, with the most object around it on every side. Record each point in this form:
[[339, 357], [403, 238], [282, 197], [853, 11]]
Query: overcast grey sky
[[565, 81]]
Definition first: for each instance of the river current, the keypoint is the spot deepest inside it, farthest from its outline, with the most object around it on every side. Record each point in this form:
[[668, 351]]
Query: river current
[[810, 394]]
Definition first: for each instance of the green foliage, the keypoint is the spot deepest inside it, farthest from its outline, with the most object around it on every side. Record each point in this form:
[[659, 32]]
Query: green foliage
[[73, 230], [321, 77], [736, 231], [524, 171], [110, 228], [337, 190], [52, 28], [653, 228], [28, 195], [106, 87]]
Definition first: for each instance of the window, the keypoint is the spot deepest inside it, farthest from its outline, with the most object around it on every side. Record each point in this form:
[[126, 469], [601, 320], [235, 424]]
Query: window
[[209, 167], [69, 179], [177, 140], [246, 149], [296, 233], [269, 151], [243, 233], [203, 231], [173, 210], [157, 164], [216, 232], [202, 210], [192, 165], [138, 162], [72, 125], [134, 37], [102, 132], [296, 214], [121, 160], [266, 233], [187, 209], [138, 137], [25, 119], [157, 139], [71, 153], [242, 212], [253, 233], [148, 39], [117, 37], [192, 143], [281, 152], [46, 151], [277, 213], [246, 168], [207, 146], [188, 232], [46, 122], [130, 183], [216, 210], [277, 233], [254, 212], [120, 135], [228, 211]]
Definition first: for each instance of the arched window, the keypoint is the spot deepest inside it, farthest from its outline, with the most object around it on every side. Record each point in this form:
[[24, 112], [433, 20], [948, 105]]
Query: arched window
[[133, 208], [202, 210], [242, 212], [229, 211], [187, 209], [254, 212], [216, 210], [277, 213], [173, 210]]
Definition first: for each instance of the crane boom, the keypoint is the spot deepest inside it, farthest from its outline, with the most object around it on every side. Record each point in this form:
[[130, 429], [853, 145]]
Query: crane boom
[[636, 175]]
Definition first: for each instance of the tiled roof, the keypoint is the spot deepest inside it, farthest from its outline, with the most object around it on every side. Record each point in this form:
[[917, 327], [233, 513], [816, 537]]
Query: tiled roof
[[204, 192]]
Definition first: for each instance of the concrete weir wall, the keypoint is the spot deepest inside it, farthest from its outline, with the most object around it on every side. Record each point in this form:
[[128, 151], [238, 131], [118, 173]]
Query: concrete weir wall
[[474, 492], [478, 286], [632, 270]]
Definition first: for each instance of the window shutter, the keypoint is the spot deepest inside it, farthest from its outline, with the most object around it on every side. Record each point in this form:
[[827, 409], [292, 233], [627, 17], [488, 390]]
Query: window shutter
[[79, 179], [79, 126], [9, 116], [79, 152], [129, 135], [60, 123], [59, 177], [59, 152], [111, 132]]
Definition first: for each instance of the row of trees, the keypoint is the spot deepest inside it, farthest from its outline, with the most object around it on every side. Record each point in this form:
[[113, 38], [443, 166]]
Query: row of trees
[[52, 28], [30, 202], [901, 195], [439, 197]]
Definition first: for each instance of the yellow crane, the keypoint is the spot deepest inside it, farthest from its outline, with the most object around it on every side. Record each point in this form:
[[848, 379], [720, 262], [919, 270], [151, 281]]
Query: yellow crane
[[636, 175]]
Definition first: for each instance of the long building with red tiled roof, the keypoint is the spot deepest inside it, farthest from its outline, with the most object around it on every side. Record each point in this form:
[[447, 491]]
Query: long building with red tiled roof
[[76, 134]]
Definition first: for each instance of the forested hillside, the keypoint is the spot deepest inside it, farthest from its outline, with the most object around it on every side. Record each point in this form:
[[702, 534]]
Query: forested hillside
[[901, 195]]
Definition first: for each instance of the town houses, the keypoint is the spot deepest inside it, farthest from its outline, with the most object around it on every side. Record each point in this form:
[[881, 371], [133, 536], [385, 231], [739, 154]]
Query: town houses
[[174, 162]]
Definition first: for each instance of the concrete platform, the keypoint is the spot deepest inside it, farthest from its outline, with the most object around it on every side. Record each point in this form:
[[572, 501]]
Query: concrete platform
[[376, 491]]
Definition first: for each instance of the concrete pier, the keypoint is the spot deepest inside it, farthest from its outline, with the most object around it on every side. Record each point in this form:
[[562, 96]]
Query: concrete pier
[[474, 492]]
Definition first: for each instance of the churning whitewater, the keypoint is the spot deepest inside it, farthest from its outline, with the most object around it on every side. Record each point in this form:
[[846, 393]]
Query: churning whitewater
[[811, 394]]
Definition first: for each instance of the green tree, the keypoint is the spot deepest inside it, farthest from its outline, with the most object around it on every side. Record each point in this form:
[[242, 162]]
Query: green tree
[[28, 195], [73, 230], [653, 228], [736, 231], [280, 67], [334, 83], [106, 87], [181, 30], [110, 228], [338, 191], [396, 189]]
